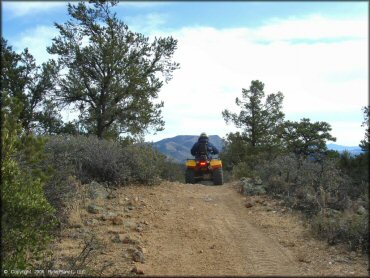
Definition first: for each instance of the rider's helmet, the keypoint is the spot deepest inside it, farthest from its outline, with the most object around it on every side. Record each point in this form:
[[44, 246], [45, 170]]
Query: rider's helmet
[[204, 135]]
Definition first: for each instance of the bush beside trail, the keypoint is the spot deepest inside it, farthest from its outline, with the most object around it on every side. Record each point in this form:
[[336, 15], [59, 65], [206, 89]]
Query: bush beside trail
[[336, 206], [110, 162]]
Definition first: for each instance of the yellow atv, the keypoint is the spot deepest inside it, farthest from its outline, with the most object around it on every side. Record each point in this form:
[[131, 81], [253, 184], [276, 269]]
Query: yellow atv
[[203, 168]]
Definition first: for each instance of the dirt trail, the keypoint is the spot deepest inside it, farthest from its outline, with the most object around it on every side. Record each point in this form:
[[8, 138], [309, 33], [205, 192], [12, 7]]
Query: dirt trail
[[201, 230], [205, 231]]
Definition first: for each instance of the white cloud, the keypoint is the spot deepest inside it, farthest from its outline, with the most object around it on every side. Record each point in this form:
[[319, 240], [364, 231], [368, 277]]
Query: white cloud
[[36, 40], [348, 133], [312, 27], [315, 75], [23, 8], [324, 76], [146, 23]]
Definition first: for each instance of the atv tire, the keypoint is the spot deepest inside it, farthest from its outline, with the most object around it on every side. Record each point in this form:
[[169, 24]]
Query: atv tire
[[218, 177], [190, 176]]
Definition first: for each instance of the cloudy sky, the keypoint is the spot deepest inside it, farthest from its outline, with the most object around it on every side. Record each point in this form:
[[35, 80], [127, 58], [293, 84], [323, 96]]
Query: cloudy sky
[[315, 53]]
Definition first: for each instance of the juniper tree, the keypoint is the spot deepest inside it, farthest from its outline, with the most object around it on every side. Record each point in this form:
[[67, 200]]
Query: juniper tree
[[306, 138], [31, 85], [113, 75]]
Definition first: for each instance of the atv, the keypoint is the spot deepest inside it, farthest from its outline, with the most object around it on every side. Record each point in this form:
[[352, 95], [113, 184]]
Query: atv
[[204, 168]]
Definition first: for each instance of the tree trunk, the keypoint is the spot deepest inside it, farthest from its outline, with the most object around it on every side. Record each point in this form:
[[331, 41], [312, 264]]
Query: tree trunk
[[99, 128]]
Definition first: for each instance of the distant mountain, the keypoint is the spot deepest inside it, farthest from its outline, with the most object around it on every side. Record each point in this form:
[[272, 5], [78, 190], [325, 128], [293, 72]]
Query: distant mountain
[[178, 147], [353, 150]]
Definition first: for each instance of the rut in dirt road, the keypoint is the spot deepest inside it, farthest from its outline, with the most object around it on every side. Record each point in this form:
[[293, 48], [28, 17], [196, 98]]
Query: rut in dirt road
[[204, 230]]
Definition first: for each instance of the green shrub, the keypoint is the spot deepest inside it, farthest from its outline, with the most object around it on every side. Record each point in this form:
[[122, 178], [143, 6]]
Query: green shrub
[[345, 227], [173, 171], [242, 169], [89, 158], [144, 162], [315, 185], [27, 216], [321, 191], [278, 174]]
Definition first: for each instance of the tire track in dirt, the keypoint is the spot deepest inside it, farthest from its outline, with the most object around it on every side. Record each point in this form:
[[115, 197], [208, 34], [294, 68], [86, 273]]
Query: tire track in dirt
[[204, 230], [266, 257]]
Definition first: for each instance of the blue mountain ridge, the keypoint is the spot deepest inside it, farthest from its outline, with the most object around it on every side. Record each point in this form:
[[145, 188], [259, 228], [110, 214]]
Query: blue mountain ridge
[[178, 148], [353, 150]]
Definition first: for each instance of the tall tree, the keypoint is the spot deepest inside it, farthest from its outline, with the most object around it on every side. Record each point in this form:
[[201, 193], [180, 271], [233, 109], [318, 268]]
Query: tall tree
[[113, 74], [259, 121], [306, 138], [31, 85]]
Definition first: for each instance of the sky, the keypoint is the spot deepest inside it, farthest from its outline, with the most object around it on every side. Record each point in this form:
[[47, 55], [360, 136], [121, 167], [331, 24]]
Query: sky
[[315, 53]]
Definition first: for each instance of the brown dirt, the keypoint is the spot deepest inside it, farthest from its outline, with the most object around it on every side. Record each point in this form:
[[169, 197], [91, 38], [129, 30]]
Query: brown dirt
[[197, 230]]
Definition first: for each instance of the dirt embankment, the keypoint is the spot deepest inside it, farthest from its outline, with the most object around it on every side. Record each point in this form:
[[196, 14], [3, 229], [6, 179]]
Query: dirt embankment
[[178, 229]]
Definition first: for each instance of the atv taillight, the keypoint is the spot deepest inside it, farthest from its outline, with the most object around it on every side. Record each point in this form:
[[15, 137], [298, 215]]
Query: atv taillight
[[202, 163]]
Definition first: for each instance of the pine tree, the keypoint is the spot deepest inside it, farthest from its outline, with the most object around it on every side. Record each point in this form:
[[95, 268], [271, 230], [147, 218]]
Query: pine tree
[[113, 74], [31, 85], [260, 119], [306, 138]]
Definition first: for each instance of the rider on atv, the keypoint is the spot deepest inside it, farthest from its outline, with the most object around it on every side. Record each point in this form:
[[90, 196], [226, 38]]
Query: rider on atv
[[203, 147]]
